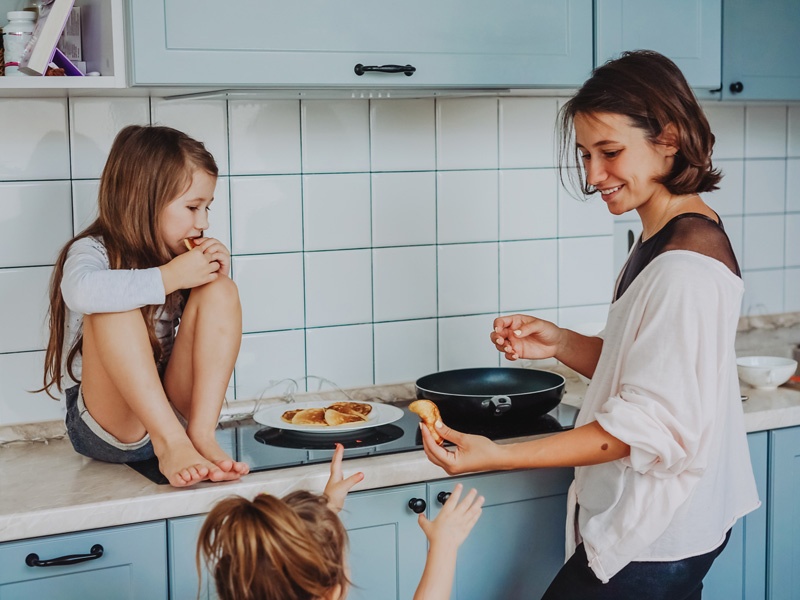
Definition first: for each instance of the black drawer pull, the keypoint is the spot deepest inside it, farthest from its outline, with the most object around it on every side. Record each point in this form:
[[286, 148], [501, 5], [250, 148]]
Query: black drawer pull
[[407, 69], [442, 497], [418, 505], [32, 560]]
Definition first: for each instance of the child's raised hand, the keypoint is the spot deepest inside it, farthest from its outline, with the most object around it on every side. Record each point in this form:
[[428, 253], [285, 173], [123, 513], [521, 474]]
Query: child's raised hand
[[337, 487], [454, 522]]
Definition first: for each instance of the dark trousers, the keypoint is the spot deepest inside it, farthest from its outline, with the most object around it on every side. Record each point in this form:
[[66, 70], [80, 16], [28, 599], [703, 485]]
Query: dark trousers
[[675, 580]]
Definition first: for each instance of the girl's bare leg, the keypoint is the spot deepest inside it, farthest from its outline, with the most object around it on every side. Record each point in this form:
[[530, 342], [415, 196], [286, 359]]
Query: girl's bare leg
[[201, 365], [124, 394]]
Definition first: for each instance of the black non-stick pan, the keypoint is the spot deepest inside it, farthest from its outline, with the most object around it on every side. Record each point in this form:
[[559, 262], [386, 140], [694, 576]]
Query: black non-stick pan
[[464, 395]]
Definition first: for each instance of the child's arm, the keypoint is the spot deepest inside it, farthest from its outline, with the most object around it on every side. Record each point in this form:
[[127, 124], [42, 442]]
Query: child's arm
[[337, 487], [445, 534]]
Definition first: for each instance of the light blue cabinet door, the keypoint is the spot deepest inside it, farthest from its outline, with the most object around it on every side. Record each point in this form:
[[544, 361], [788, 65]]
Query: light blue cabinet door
[[133, 565], [387, 546], [272, 43], [761, 50], [687, 31], [517, 546], [783, 552], [182, 545], [740, 571]]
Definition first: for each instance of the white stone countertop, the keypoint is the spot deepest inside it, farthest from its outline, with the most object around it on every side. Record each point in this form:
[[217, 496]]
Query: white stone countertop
[[46, 488]]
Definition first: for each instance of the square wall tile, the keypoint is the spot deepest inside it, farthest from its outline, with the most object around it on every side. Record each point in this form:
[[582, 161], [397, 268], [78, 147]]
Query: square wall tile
[[467, 206], [206, 121], [338, 287], [793, 185], [765, 131], [94, 123], [727, 124], [792, 257], [527, 132], [763, 242], [266, 214], [528, 204], [583, 217], [793, 131], [265, 359], [341, 355], [585, 273], [403, 134], [626, 233], [403, 209], [528, 275], [36, 222], [791, 285], [271, 291], [464, 343], [19, 373], [763, 292], [335, 136], [729, 198], [336, 211], [84, 203], [764, 186], [468, 278], [34, 144], [24, 296], [264, 137], [219, 218], [586, 320], [404, 283], [466, 133], [405, 350]]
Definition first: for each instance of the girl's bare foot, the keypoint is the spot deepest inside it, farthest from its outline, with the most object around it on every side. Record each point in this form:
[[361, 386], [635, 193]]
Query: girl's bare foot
[[183, 465], [207, 445]]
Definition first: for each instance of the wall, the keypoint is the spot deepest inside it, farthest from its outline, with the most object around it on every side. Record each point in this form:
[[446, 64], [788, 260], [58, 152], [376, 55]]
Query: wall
[[373, 242]]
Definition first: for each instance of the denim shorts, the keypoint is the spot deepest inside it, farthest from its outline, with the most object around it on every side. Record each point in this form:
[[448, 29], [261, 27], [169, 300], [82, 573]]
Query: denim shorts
[[89, 439]]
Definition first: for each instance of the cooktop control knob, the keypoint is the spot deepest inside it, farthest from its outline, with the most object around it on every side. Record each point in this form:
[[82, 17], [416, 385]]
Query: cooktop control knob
[[417, 505]]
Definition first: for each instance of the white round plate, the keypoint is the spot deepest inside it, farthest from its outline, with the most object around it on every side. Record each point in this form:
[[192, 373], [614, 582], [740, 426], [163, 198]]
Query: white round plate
[[381, 414]]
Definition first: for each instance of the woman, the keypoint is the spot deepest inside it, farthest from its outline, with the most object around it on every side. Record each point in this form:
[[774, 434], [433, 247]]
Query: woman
[[662, 464]]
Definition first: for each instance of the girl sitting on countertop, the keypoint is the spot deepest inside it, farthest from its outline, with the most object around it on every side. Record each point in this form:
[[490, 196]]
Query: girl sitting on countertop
[[137, 386], [295, 548]]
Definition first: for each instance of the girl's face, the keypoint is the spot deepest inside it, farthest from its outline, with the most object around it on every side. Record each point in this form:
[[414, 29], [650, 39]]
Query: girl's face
[[620, 162], [187, 215]]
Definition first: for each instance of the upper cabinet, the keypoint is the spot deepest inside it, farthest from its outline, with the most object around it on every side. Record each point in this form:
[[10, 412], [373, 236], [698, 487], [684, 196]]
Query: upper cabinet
[[760, 50], [318, 43], [687, 31]]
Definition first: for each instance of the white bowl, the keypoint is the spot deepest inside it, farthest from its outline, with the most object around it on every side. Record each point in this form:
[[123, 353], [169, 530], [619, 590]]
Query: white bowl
[[765, 372]]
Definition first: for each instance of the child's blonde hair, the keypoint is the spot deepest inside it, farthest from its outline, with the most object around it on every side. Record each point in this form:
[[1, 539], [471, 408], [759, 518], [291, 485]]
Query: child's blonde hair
[[274, 549], [147, 168]]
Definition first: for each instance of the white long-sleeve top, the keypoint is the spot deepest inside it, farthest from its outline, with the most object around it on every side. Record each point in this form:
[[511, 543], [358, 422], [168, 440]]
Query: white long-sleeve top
[[89, 286], [666, 384]]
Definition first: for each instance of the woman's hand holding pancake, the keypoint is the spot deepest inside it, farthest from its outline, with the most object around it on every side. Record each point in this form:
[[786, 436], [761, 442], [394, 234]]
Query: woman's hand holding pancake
[[471, 452]]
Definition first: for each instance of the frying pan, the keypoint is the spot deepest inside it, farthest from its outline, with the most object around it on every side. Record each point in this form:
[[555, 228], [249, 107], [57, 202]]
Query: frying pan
[[464, 395]]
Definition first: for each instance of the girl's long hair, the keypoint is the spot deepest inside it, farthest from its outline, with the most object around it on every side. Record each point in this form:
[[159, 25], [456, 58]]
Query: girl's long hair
[[273, 549], [147, 168]]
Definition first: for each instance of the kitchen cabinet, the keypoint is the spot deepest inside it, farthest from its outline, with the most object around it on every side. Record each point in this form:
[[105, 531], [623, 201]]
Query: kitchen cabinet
[[760, 48], [182, 545], [119, 562], [687, 31], [740, 571], [103, 43], [449, 44]]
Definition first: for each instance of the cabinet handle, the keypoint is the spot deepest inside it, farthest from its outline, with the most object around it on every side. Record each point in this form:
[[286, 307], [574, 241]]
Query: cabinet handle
[[32, 560], [417, 505], [407, 69], [442, 497], [736, 87]]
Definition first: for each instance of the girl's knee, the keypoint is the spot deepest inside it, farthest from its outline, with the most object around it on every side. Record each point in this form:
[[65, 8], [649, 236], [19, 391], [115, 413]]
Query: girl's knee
[[221, 290]]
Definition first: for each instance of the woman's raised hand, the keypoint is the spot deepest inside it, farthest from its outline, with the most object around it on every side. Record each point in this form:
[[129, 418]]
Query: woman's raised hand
[[523, 336]]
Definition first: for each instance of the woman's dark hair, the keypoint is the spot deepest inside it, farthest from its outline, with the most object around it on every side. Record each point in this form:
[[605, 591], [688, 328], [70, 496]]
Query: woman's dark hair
[[650, 90]]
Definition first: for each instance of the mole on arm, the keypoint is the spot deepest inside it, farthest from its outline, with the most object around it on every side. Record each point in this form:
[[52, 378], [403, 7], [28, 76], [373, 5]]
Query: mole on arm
[[604, 447]]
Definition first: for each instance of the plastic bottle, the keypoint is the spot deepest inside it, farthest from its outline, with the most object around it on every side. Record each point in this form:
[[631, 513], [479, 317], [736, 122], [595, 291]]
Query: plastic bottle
[[16, 36]]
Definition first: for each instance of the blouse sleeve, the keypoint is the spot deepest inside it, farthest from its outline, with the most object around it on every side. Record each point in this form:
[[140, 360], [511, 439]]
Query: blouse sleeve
[[89, 286]]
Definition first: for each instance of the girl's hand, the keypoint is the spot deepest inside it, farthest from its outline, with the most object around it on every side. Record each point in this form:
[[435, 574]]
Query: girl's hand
[[522, 336], [472, 452], [337, 487], [189, 270], [454, 522], [215, 251]]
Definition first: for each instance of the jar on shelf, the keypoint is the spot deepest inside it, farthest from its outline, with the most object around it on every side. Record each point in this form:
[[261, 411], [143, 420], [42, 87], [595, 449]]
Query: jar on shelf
[[16, 35]]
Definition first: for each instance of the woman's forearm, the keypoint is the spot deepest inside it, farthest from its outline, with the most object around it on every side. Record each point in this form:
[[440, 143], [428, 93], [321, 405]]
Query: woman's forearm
[[580, 352]]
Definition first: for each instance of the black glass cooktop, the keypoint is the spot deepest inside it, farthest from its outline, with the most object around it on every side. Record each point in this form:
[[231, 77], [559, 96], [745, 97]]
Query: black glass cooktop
[[265, 448]]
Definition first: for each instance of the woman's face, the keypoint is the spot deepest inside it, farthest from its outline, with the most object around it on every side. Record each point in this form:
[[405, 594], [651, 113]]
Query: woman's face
[[187, 215], [620, 162]]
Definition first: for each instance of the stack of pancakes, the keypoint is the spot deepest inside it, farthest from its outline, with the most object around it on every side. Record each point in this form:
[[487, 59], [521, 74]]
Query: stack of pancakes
[[338, 413]]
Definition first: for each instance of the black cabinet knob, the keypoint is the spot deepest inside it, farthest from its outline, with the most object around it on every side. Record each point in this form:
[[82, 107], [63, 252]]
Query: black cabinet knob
[[736, 87], [418, 505], [442, 497]]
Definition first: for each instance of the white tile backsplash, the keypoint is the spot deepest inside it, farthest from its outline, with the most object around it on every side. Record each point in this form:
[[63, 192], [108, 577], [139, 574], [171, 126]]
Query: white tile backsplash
[[374, 241]]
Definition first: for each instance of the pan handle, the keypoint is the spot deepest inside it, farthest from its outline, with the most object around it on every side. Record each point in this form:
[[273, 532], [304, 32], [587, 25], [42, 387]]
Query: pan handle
[[498, 404]]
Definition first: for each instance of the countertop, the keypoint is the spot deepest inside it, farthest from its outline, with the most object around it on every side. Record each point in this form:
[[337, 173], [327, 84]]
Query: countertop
[[46, 488]]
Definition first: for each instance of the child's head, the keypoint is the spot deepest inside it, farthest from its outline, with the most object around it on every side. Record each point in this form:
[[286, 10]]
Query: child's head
[[268, 548], [147, 168]]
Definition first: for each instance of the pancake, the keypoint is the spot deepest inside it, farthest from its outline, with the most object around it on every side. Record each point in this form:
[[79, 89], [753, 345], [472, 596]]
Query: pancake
[[334, 418], [309, 416], [352, 408], [289, 414]]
